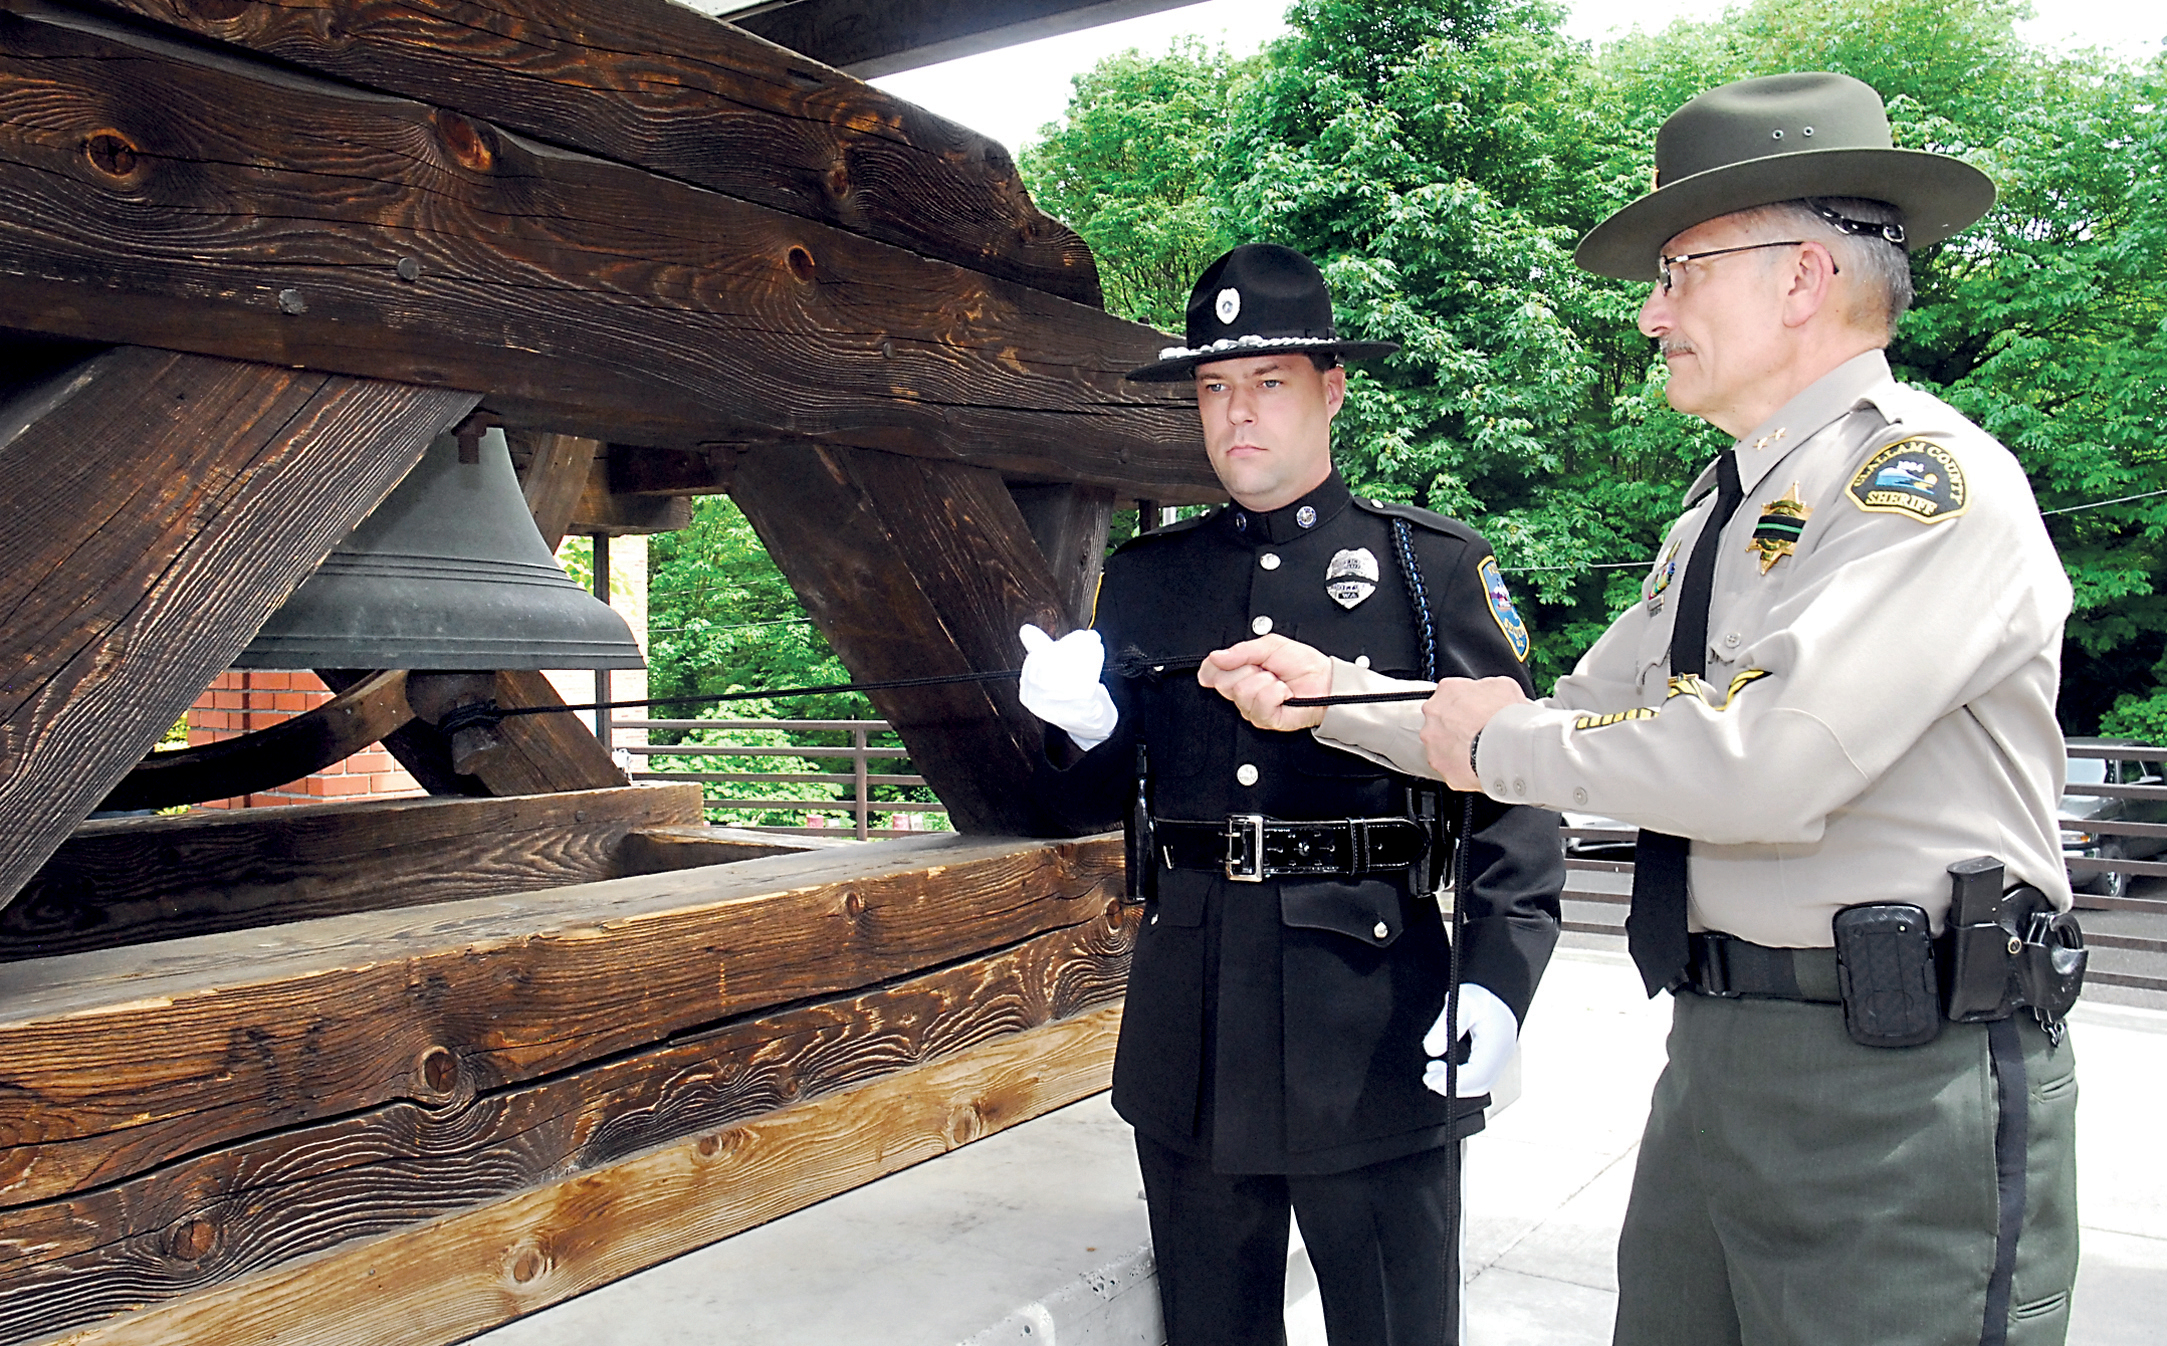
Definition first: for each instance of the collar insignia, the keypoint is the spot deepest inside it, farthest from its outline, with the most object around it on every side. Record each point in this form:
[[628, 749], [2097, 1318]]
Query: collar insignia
[[1765, 440], [1306, 516], [1782, 520], [1352, 576]]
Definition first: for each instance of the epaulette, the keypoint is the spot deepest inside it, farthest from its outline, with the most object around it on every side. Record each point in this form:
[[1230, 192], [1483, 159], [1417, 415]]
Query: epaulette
[[1421, 518], [1169, 530]]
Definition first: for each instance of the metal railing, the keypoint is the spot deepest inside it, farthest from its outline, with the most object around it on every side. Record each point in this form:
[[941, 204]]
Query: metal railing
[[860, 807]]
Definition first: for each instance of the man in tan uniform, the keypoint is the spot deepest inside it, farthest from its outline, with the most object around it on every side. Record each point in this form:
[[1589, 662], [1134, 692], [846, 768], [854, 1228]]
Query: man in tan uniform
[[1849, 688]]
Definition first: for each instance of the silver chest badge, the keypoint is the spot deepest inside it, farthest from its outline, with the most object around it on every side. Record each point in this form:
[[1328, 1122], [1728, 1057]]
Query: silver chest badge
[[1352, 576]]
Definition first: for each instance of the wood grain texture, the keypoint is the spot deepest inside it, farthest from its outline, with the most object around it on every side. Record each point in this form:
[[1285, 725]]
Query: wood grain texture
[[134, 880], [155, 196], [663, 88], [913, 568], [265, 759], [870, 38], [447, 1279], [210, 1220], [553, 472], [603, 510], [1070, 525], [641, 471], [293, 1024], [659, 850], [160, 507]]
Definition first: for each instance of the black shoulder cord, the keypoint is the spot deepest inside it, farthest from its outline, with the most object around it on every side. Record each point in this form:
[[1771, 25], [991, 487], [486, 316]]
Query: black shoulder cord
[[1404, 544]]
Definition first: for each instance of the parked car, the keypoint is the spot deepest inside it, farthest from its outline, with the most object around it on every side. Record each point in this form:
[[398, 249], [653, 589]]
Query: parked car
[[2081, 810]]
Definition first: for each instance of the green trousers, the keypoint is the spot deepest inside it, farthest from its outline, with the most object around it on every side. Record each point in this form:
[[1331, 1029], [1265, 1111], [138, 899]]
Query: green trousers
[[1797, 1189]]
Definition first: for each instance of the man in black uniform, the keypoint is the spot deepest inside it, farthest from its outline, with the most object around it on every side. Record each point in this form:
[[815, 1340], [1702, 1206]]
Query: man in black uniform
[[1289, 988]]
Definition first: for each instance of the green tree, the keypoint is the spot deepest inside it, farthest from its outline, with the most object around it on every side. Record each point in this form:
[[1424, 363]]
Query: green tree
[[1129, 169]]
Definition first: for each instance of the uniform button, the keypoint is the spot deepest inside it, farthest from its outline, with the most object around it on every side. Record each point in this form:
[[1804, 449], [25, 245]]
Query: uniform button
[[1246, 773], [1497, 787], [1730, 642], [1580, 796], [1381, 930], [1361, 661], [1519, 786], [1269, 560], [1262, 626]]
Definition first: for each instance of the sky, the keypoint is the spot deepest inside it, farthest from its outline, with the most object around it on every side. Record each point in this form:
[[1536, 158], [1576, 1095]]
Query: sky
[[1009, 94]]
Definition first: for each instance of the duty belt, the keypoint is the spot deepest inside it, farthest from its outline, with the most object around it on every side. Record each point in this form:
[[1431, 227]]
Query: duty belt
[[1250, 848], [1728, 967]]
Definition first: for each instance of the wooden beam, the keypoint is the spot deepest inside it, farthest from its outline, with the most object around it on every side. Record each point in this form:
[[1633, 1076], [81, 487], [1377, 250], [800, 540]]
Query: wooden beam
[[209, 1222], [266, 1029], [553, 473], [706, 470], [160, 507], [1070, 525], [160, 196], [602, 510], [871, 38], [658, 850], [265, 759], [447, 1279], [134, 880], [655, 85], [910, 569]]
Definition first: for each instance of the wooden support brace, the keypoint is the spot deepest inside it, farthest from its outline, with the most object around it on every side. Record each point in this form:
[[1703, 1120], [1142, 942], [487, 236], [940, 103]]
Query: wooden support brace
[[161, 506], [912, 568], [1070, 524], [135, 880]]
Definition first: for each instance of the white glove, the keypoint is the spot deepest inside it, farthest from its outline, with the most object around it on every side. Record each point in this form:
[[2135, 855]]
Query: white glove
[[1492, 1029], [1061, 685]]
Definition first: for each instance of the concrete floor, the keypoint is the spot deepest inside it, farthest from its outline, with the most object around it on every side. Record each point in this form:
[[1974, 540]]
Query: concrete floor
[[1038, 1236]]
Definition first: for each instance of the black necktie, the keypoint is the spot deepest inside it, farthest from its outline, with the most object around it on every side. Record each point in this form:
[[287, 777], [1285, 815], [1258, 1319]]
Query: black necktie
[[1655, 923]]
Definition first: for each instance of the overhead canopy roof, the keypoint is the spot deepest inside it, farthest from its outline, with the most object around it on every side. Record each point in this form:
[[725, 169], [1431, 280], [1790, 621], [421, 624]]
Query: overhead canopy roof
[[868, 38]]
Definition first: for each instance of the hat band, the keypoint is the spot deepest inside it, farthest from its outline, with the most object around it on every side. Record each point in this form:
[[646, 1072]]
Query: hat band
[[1236, 343]]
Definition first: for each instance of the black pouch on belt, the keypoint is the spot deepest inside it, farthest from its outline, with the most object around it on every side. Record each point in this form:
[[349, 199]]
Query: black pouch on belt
[[1885, 973]]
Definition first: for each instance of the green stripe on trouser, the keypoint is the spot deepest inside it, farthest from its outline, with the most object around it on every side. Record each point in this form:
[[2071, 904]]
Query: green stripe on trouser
[[1797, 1189]]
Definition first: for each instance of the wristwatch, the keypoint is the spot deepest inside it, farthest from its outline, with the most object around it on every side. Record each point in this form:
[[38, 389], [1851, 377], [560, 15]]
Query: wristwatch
[[1473, 744]]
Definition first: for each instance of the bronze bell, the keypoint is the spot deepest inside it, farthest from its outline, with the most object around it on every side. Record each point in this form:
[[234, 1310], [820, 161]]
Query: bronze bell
[[449, 572]]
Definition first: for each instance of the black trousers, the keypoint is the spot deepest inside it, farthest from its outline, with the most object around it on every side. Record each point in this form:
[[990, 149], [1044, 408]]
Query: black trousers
[[1380, 1239]]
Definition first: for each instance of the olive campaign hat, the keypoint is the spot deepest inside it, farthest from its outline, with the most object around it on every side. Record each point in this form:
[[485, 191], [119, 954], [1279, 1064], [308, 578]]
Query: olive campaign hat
[[1259, 299], [1782, 138]]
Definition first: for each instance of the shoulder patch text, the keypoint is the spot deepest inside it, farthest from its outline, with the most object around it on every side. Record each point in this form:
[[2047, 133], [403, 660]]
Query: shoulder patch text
[[1917, 477]]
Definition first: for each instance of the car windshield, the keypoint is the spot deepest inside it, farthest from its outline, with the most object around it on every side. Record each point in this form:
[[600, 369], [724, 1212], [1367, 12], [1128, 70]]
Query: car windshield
[[2087, 771]]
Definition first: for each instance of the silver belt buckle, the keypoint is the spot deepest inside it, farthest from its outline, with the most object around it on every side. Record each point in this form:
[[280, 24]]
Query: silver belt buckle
[[1245, 847]]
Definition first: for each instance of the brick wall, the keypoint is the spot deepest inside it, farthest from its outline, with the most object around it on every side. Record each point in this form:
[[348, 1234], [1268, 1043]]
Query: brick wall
[[238, 701]]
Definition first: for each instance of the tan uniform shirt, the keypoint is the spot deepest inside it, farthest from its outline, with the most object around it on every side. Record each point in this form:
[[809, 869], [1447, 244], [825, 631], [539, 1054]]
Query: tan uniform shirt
[[1879, 699]]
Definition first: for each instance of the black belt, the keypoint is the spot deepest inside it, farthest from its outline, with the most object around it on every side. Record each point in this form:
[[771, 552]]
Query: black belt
[[1250, 848], [1728, 967]]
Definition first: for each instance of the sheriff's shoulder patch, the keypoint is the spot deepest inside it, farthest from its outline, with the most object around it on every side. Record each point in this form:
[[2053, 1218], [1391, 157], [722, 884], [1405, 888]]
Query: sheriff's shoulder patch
[[1916, 477], [1508, 618]]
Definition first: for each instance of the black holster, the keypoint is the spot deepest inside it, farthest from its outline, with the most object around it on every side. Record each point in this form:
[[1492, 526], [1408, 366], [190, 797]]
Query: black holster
[[2008, 949], [1139, 844]]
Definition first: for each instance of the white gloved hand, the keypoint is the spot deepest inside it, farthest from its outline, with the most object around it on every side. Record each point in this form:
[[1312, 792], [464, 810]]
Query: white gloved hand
[[1493, 1031], [1061, 685]]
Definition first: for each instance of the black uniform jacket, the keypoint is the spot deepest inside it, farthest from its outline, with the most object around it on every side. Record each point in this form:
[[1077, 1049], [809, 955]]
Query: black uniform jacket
[[1277, 1027]]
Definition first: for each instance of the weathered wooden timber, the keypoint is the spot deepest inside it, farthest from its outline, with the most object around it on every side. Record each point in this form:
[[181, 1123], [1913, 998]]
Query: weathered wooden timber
[[153, 194], [1070, 524], [211, 1219], [160, 506], [913, 569], [134, 880], [267, 758], [290, 1025], [661, 87], [658, 850], [553, 473], [870, 38], [445, 1280]]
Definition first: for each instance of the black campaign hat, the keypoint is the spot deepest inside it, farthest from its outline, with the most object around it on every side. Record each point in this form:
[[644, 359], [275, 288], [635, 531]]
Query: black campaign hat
[[1755, 142], [1259, 299]]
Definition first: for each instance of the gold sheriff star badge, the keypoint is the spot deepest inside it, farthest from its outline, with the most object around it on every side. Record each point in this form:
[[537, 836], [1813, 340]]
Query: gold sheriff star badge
[[1782, 521]]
